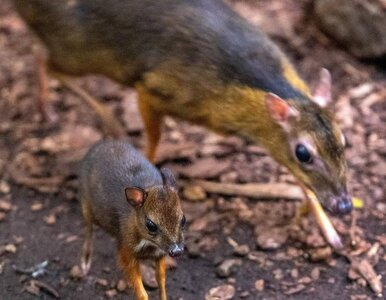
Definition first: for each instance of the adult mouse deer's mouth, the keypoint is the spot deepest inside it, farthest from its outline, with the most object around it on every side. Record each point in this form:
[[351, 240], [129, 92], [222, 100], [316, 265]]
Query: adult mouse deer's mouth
[[341, 205]]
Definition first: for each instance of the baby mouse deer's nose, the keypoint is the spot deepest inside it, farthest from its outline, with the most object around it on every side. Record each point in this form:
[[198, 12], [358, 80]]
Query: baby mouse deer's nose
[[176, 250]]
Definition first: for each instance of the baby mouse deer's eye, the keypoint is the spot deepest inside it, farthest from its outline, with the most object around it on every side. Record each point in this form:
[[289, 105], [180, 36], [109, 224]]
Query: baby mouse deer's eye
[[183, 222], [303, 154], [151, 226]]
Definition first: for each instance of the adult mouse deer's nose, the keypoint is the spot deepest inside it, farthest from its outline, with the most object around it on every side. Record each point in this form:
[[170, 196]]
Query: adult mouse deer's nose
[[176, 250], [343, 205]]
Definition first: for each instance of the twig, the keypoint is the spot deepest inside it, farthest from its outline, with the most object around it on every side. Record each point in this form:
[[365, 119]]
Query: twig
[[253, 190]]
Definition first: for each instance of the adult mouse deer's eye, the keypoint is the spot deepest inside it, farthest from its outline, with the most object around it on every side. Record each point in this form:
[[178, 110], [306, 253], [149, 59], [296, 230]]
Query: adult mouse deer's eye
[[183, 221], [151, 226], [302, 154]]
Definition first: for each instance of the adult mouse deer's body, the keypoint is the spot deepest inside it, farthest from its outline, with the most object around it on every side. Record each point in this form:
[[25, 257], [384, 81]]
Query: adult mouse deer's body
[[199, 61], [127, 196]]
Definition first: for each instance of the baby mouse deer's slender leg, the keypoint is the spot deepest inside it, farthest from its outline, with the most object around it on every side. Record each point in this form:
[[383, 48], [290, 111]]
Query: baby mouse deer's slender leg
[[161, 277], [130, 267], [151, 119], [44, 107], [110, 123], [85, 260]]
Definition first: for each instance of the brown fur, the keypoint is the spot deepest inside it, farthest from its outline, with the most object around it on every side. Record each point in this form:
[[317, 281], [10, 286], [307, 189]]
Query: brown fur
[[195, 60], [107, 171]]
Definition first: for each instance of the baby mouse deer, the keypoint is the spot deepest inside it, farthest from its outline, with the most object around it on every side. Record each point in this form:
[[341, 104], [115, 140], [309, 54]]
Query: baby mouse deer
[[132, 200]]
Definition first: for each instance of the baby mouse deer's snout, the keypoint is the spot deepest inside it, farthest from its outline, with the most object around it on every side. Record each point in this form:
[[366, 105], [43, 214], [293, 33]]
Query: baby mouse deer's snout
[[176, 250], [311, 144]]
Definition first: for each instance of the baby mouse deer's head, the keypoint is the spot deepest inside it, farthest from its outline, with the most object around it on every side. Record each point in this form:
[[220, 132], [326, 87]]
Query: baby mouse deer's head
[[160, 219], [311, 145]]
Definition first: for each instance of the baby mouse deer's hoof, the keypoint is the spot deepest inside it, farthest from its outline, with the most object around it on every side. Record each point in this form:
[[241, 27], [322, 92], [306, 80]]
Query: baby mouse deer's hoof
[[85, 264]]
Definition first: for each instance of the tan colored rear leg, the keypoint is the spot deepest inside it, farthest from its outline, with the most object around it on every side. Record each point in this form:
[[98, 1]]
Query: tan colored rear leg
[[87, 250], [111, 126], [44, 107], [152, 121], [161, 277], [130, 267]]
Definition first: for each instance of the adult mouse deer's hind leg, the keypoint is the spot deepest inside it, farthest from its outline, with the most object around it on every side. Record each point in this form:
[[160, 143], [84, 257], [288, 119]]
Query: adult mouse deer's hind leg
[[152, 121], [44, 107], [110, 123]]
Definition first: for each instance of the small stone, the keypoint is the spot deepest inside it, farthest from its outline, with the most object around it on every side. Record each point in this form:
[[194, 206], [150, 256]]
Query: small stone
[[278, 274], [305, 280], [4, 187], [111, 293], [361, 282], [320, 254], [50, 219], [121, 285], [227, 267], [37, 206], [222, 292], [296, 289], [259, 285], [294, 273], [5, 205], [315, 273], [76, 272], [271, 238], [331, 280], [11, 248], [244, 294], [194, 193], [231, 280], [102, 282]]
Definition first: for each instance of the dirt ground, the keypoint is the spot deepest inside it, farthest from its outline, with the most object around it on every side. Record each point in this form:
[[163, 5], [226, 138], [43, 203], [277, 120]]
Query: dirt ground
[[40, 218]]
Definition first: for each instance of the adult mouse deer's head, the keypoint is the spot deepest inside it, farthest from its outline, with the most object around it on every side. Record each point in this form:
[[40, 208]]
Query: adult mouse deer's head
[[160, 218], [311, 144]]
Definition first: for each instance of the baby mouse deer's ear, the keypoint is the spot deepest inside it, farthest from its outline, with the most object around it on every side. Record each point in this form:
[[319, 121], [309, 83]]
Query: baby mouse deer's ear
[[168, 178], [135, 196]]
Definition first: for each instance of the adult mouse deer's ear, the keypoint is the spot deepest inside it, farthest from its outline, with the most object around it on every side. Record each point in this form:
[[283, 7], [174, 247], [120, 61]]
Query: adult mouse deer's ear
[[135, 196], [168, 178], [280, 110], [322, 91]]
